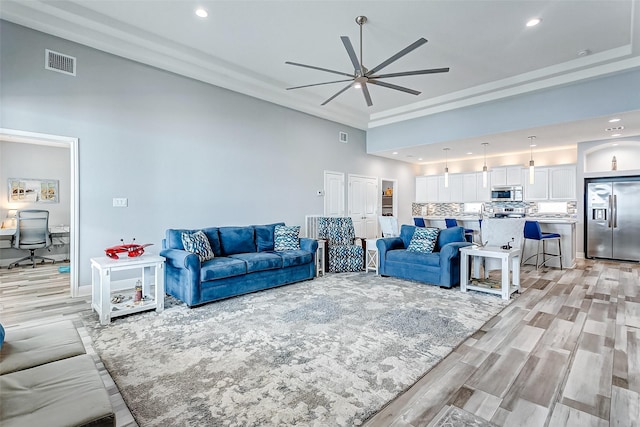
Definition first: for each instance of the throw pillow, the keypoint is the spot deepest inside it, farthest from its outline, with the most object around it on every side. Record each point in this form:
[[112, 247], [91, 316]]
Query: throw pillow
[[286, 238], [423, 240], [198, 243]]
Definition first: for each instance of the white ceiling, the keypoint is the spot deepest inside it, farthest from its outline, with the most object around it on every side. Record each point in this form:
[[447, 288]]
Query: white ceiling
[[243, 46]]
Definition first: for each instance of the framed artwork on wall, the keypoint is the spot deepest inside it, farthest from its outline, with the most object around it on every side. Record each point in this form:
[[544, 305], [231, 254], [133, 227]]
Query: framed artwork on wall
[[33, 190]]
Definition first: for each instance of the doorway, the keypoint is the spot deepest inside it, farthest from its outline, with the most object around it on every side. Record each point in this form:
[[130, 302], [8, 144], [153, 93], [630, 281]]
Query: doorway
[[363, 205], [12, 135]]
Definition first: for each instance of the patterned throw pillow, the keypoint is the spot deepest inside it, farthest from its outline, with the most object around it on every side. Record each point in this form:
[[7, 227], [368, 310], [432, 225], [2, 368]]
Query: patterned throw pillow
[[198, 243], [423, 240], [286, 238]]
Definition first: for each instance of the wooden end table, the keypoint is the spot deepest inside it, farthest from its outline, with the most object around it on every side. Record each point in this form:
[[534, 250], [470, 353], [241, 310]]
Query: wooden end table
[[510, 261], [103, 287]]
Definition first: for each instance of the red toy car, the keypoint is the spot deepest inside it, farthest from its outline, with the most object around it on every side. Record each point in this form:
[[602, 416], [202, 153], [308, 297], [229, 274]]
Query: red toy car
[[132, 249]]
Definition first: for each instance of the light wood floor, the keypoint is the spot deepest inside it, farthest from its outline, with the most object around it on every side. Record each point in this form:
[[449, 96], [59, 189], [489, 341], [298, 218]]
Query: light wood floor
[[566, 352]]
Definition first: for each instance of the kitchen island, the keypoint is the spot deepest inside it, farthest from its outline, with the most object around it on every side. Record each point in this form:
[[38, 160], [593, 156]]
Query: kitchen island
[[500, 231]]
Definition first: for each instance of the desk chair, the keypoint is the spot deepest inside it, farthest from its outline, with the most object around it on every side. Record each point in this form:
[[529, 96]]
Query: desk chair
[[32, 232]]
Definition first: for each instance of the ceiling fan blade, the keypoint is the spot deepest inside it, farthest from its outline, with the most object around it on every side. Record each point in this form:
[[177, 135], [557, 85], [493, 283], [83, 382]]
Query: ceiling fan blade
[[398, 55], [412, 73], [319, 84], [367, 95], [396, 87], [339, 92], [352, 54], [319, 68]]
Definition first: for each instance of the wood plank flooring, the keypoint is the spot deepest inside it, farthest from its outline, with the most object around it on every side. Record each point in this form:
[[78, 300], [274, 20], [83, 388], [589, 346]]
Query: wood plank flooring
[[566, 352]]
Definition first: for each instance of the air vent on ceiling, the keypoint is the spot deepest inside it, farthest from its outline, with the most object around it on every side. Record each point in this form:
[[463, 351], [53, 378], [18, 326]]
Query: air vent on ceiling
[[344, 137], [56, 61]]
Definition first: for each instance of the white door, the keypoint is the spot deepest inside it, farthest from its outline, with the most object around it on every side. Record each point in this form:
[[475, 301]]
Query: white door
[[333, 193], [363, 205]]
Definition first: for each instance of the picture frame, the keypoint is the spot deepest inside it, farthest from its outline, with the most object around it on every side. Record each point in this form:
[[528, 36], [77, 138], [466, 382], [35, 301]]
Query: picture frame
[[29, 190]]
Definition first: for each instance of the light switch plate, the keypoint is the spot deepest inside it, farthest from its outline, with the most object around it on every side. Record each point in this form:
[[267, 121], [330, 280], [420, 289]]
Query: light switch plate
[[120, 202]]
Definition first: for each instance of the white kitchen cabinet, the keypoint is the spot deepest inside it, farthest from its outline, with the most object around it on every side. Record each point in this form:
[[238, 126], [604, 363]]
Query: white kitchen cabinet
[[483, 194], [470, 187], [454, 192], [432, 188], [421, 189], [444, 193], [562, 183], [510, 175], [539, 190]]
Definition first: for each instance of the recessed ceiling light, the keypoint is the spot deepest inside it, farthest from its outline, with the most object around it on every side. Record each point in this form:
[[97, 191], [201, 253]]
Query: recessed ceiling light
[[394, 153], [533, 22], [202, 13], [614, 145], [584, 52], [616, 134], [532, 145], [419, 158], [614, 120], [469, 153]]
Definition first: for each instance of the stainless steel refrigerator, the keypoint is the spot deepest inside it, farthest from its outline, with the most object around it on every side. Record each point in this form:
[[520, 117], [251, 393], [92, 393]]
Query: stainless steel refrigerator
[[612, 218]]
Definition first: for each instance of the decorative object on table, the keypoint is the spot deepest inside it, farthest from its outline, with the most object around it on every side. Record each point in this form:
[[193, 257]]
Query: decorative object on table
[[305, 354], [388, 191], [137, 297], [131, 249], [33, 190], [614, 164]]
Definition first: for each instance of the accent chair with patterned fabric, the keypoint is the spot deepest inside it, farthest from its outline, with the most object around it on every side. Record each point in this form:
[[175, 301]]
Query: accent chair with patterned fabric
[[342, 252]]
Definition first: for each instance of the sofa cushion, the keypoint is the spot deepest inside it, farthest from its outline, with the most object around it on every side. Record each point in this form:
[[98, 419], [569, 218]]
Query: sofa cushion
[[198, 243], [423, 240], [259, 261], [448, 235], [286, 238], [293, 258], [237, 240], [410, 257], [68, 392], [173, 239], [214, 240], [406, 233], [37, 345], [265, 236], [221, 267]]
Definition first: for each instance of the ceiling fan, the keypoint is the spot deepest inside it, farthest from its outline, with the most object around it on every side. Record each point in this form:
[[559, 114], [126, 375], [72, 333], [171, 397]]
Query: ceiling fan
[[362, 76]]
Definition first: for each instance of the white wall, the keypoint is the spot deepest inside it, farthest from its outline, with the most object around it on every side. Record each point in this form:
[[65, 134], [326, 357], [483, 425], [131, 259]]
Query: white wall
[[542, 158], [184, 153], [18, 160]]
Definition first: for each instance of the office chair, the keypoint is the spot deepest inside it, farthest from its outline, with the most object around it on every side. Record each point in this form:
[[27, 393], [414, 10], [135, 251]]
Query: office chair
[[32, 232]]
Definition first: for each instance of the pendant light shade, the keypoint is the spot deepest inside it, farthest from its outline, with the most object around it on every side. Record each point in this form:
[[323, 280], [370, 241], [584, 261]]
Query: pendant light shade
[[485, 172], [446, 168], [532, 172]]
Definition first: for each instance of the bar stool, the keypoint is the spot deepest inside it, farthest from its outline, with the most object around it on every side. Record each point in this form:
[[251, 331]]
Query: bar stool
[[468, 232], [419, 222], [532, 232]]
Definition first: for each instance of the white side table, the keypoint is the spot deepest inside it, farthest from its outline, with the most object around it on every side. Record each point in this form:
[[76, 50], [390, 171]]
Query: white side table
[[102, 285], [510, 260], [320, 257], [371, 250]]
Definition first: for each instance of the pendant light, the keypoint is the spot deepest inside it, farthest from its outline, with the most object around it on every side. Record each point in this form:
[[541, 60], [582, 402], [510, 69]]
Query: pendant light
[[446, 168], [531, 164], [484, 168]]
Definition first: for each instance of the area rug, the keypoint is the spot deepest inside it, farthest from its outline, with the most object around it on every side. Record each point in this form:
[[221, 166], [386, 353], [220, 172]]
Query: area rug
[[327, 352]]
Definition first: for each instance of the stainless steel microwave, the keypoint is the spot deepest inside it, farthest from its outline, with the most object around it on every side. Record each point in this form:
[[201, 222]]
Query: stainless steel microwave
[[510, 193]]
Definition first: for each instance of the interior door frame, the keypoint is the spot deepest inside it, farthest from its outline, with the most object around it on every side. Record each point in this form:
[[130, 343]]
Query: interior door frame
[[13, 135]]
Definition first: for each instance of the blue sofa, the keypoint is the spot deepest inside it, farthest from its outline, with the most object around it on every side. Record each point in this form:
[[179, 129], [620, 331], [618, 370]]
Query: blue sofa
[[244, 262], [441, 267]]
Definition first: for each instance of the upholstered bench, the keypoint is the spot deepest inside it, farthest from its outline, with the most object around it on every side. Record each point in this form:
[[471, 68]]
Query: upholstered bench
[[46, 379]]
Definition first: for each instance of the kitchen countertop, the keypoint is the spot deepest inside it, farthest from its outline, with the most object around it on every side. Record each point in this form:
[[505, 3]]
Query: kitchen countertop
[[541, 220]]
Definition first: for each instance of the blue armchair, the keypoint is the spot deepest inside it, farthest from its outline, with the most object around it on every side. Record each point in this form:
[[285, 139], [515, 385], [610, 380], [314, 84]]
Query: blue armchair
[[343, 254], [441, 267]]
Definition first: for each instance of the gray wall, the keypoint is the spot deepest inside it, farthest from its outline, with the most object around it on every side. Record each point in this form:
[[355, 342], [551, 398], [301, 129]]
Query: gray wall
[[185, 153]]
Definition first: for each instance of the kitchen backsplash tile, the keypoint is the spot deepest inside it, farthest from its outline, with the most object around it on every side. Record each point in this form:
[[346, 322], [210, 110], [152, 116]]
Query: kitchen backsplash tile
[[457, 209]]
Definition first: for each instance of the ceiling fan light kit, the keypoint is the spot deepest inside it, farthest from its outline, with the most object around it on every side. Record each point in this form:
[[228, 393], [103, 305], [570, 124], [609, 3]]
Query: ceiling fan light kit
[[362, 76]]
